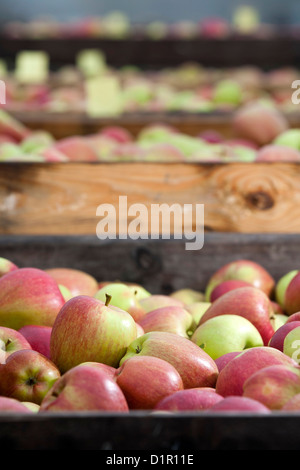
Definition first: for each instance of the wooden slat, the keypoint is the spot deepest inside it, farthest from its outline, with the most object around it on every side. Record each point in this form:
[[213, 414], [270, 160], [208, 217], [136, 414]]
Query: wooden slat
[[62, 199]]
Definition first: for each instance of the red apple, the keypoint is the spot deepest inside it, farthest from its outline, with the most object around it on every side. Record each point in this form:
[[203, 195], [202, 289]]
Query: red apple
[[292, 296], [10, 405], [192, 399], [11, 341], [225, 358], [29, 296], [85, 388], [293, 404], [197, 369], [156, 301], [27, 376], [172, 319], [38, 337], [239, 404], [277, 153], [78, 282], [87, 329], [145, 380], [232, 377], [76, 148], [227, 286], [278, 337]]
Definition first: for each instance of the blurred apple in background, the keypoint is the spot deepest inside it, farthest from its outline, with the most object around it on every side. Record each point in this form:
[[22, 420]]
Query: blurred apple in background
[[145, 380], [155, 301], [87, 329], [29, 296], [196, 368], [6, 266], [226, 333], [188, 296], [27, 376], [84, 388], [76, 281]]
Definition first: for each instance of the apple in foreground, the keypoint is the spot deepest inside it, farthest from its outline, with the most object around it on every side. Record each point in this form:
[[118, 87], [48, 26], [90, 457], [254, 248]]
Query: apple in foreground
[[172, 319], [145, 380], [227, 286], [84, 388], [239, 404], [38, 337], [11, 341], [11, 405], [273, 386], [78, 282], [248, 302], [87, 329], [27, 376], [195, 366], [232, 377], [242, 270], [29, 296], [226, 333], [192, 399]]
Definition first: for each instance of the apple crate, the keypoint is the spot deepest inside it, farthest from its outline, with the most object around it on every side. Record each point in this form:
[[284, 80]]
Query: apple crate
[[161, 266], [62, 198]]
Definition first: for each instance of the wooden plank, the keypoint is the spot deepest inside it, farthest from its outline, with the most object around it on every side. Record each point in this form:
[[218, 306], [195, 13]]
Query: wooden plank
[[62, 199]]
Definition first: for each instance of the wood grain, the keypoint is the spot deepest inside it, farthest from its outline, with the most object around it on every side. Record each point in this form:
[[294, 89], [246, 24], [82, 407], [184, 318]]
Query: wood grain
[[62, 199]]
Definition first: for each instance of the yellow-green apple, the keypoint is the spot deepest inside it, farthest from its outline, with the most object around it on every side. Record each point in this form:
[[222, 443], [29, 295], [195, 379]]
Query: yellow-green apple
[[11, 127], [227, 92], [29, 296], [291, 344], [6, 266], [196, 368], [124, 296], [38, 337], [289, 138], [87, 329], [231, 379], [188, 296], [248, 302], [33, 407], [242, 270], [273, 386], [222, 334], [145, 380], [221, 361], [10, 341], [282, 285], [259, 122], [191, 399], [84, 388], [27, 376], [65, 292], [10, 405], [239, 404], [226, 286], [278, 337], [173, 319], [155, 301], [197, 310], [78, 282], [293, 404], [292, 296]]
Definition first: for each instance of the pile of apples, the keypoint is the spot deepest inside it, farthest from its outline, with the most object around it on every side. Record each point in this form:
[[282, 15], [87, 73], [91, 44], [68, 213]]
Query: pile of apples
[[71, 343], [260, 134]]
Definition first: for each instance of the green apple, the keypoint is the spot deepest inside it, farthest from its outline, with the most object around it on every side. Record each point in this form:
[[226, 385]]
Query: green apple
[[289, 138], [226, 333], [291, 344], [281, 286]]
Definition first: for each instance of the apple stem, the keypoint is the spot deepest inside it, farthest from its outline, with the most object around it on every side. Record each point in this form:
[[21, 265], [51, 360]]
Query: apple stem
[[108, 299]]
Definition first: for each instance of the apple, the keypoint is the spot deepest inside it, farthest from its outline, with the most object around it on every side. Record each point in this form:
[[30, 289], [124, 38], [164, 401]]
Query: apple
[[248, 302], [77, 282], [226, 333], [6, 266], [188, 296], [292, 296], [87, 329], [239, 404], [65, 292], [10, 341], [281, 286], [289, 138], [192, 399], [291, 343], [226, 286], [117, 133], [294, 317], [27, 376], [155, 301], [29, 296], [197, 310], [172, 319], [273, 386], [76, 148], [145, 380], [243, 270], [278, 337], [38, 337], [111, 371], [277, 153], [227, 92], [293, 404], [232, 377], [221, 361], [33, 407], [12, 127], [84, 388], [196, 368], [10, 405], [126, 297]]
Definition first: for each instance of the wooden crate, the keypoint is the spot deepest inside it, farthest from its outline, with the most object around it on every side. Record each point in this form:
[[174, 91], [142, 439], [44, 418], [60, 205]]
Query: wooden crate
[[142, 431], [62, 199]]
